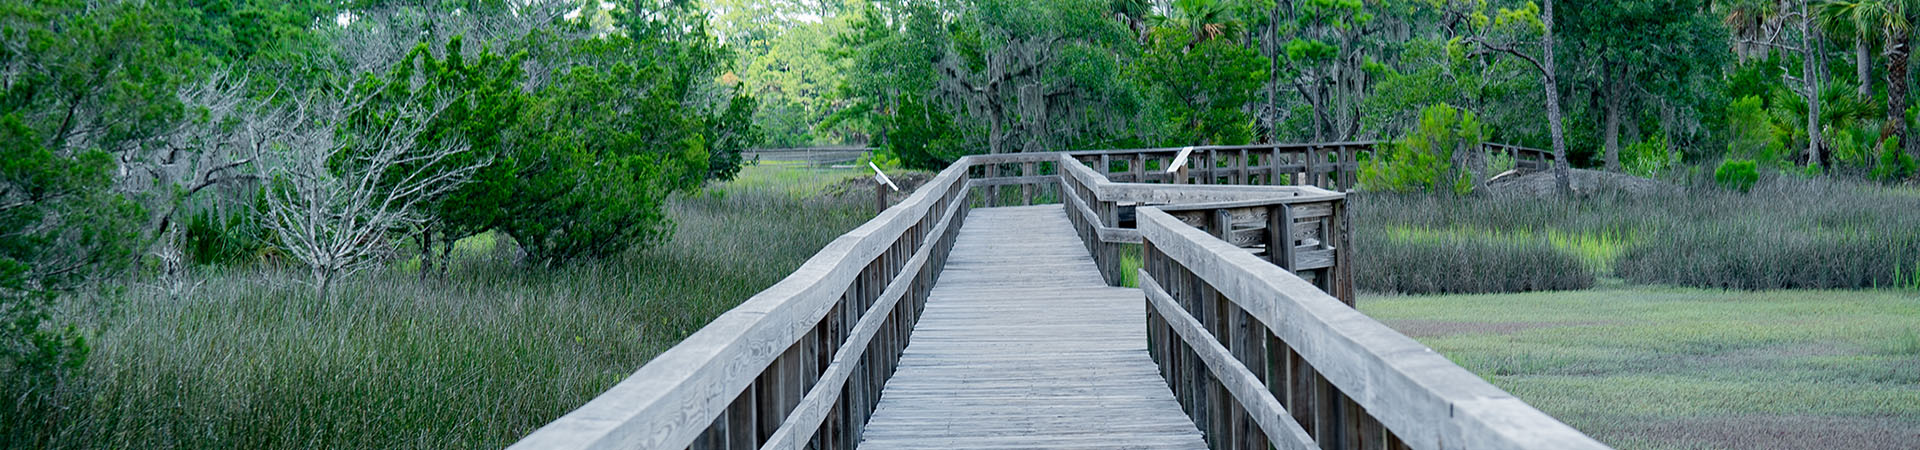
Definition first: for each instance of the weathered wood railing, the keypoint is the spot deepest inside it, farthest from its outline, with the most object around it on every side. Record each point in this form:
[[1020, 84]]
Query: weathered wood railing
[[802, 364], [1525, 158], [1259, 357], [1331, 165], [1310, 222]]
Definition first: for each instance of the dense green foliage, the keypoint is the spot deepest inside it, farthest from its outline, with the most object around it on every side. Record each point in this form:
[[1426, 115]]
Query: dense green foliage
[[145, 136], [1737, 174], [1437, 156]]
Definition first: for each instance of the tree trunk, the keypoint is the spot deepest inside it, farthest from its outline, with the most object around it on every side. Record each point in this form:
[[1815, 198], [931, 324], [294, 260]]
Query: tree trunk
[[426, 254], [1612, 127], [1560, 163], [1861, 70], [1809, 65], [1554, 114], [996, 135], [1667, 120], [1896, 90]]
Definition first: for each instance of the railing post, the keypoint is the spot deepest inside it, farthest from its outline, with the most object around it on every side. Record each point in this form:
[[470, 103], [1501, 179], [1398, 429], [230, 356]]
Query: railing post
[[1306, 168], [1280, 236], [1139, 167], [1342, 254], [1240, 173], [1026, 189]]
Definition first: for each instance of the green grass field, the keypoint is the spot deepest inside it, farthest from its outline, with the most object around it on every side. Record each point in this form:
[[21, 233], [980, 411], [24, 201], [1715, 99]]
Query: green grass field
[[251, 360], [1673, 368]]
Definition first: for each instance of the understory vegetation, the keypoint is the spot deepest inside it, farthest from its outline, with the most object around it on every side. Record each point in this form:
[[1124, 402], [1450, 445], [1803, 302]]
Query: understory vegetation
[[1788, 232], [251, 359]]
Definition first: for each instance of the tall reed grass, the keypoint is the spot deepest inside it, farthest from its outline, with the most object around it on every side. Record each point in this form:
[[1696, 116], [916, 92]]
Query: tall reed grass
[[1788, 232], [252, 360]]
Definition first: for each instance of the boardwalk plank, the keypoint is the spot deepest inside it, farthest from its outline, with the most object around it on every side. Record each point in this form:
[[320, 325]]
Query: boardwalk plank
[[1022, 345]]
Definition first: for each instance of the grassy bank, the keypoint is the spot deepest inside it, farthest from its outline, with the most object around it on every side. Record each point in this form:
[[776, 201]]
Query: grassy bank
[[1647, 368], [251, 360]]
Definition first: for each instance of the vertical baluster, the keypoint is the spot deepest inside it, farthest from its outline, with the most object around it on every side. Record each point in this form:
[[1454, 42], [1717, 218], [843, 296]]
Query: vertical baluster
[[1329, 415], [1300, 382], [1280, 244], [1026, 188], [1139, 166], [1240, 173], [1342, 241]]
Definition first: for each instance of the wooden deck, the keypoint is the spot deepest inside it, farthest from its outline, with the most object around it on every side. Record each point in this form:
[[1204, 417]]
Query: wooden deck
[[1022, 345]]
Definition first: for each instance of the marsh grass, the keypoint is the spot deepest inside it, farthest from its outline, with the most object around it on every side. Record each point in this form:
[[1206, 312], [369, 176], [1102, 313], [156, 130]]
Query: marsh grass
[[1788, 233], [250, 360], [1418, 261], [1690, 368]]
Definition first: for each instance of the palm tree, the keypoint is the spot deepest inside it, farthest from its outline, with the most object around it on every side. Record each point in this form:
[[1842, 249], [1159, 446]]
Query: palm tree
[[1755, 25], [1205, 19], [1853, 21]]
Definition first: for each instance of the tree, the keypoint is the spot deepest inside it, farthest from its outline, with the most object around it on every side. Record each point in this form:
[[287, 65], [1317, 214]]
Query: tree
[[1438, 155], [788, 65], [1633, 51], [1891, 20], [1504, 35], [86, 84], [1203, 87], [214, 145], [599, 151], [60, 226], [344, 180], [1859, 23], [1330, 67], [484, 100], [1022, 67]]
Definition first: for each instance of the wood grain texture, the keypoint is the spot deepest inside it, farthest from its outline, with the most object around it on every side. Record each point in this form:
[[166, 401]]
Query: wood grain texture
[[1416, 393], [1023, 345]]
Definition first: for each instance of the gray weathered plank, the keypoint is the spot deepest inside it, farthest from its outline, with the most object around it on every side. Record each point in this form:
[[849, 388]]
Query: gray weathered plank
[[1022, 345]]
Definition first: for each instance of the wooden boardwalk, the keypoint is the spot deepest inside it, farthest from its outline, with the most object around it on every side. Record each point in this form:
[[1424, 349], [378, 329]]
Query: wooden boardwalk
[[1022, 345]]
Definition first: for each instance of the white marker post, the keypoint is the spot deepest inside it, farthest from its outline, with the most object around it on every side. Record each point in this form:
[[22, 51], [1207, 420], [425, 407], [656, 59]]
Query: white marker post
[[880, 183], [1179, 165]]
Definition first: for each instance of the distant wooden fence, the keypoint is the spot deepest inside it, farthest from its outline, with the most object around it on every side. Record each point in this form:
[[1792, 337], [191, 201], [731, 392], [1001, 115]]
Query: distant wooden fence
[[1257, 355], [811, 155]]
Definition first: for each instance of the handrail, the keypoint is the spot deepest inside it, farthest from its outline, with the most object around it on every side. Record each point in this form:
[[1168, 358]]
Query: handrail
[[1223, 323], [1330, 165], [735, 381], [1312, 219], [802, 364]]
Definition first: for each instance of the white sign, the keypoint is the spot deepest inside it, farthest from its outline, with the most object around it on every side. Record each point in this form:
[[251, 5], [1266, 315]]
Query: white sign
[[1179, 161], [881, 177]]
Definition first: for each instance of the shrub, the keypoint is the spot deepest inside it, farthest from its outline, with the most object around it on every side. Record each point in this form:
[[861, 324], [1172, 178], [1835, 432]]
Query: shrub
[[1753, 134], [1423, 161], [1737, 174], [1459, 264], [216, 238], [1894, 164], [1647, 158]]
